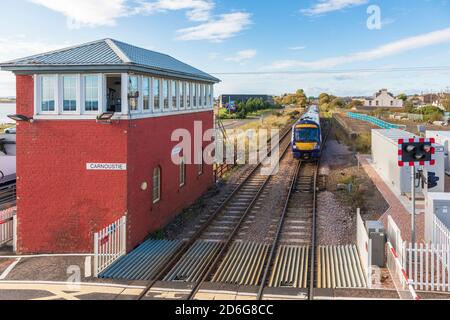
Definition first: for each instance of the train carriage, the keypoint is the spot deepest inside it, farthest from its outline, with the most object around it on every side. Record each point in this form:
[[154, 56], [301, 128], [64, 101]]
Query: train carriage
[[307, 136]]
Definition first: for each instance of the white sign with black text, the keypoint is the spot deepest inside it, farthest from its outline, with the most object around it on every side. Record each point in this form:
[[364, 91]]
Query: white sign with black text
[[107, 166]]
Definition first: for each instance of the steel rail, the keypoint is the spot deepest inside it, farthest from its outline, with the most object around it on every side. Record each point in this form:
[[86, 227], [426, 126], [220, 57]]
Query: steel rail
[[277, 237], [166, 268], [278, 232], [230, 239], [314, 221]]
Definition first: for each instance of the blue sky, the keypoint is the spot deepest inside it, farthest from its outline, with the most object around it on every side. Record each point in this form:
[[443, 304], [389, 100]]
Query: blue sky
[[324, 40]]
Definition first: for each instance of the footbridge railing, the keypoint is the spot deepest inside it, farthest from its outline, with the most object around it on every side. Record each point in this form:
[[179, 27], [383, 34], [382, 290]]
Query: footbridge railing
[[378, 122]]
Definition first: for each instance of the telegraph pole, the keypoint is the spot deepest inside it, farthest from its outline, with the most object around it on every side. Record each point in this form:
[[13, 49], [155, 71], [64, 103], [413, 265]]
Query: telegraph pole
[[413, 202], [416, 152]]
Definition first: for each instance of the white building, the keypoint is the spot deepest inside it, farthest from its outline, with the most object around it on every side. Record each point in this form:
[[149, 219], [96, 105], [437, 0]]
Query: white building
[[383, 99]]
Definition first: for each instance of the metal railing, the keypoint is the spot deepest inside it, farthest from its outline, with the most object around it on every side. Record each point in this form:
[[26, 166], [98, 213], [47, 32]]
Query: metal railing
[[109, 245], [378, 122]]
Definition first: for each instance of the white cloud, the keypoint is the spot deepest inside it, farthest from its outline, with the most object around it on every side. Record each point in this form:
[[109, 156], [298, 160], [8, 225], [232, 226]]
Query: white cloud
[[94, 13], [298, 48], [89, 13], [389, 49], [18, 47], [242, 56], [325, 6], [223, 27], [197, 10]]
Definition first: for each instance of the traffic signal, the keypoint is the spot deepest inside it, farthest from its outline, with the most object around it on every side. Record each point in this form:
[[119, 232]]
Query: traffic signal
[[416, 152], [432, 180]]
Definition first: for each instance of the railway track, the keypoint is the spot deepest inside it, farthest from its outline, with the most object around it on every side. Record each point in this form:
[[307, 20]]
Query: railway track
[[223, 257], [197, 257], [292, 262]]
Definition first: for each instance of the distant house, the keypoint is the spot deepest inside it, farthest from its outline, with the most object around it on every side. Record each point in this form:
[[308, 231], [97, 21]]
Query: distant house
[[225, 99], [432, 99], [383, 99]]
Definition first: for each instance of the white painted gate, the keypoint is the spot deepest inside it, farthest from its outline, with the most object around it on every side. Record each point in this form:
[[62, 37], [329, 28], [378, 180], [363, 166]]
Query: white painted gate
[[364, 245], [109, 245], [427, 266]]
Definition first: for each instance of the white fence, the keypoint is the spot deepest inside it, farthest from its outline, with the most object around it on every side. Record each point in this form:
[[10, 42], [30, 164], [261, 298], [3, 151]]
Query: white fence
[[441, 236], [399, 277], [395, 238], [364, 245], [7, 226], [426, 266], [109, 245]]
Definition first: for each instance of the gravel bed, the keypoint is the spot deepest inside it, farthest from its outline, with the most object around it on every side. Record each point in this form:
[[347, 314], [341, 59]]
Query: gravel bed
[[191, 219], [270, 205], [334, 222], [336, 208]]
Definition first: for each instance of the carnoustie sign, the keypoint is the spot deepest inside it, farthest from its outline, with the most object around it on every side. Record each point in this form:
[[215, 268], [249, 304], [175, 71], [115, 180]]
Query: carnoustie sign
[[107, 166]]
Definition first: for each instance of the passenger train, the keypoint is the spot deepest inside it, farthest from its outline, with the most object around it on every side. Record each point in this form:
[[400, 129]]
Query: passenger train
[[307, 136]]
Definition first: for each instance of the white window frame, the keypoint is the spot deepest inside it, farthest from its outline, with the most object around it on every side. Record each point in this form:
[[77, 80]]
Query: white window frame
[[139, 89], [77, 93], [182, 97], [164, 108], [99, 93], [194, 96], [188, 96], [149, 110], [211, 94], [174, 85], [159, 110], [39, 94]]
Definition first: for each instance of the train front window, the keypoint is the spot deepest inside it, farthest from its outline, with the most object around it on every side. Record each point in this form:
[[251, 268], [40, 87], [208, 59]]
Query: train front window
[[307, 135]]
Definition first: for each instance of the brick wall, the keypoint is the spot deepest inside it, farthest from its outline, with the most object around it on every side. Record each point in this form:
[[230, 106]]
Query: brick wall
[[150, 146], [61, 204]]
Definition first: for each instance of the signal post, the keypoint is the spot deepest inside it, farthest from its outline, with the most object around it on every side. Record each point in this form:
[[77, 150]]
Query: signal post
[[417, 153]]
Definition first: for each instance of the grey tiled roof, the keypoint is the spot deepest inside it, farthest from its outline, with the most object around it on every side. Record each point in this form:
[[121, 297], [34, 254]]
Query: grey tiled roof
[[108, 52]]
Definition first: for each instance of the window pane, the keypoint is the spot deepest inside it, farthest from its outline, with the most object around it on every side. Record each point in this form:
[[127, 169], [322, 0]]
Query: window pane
[[210, 96], [194, 95], [166, 94], [181, 88], [48, 93], [91, 93], [205, 95], [133, 92], [69, 93], [174, 94], [188, 95], [146, 93], [156, 94]]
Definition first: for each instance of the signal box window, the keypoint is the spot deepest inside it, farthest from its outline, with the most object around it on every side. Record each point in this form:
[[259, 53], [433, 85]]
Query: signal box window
[[48, 93]]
